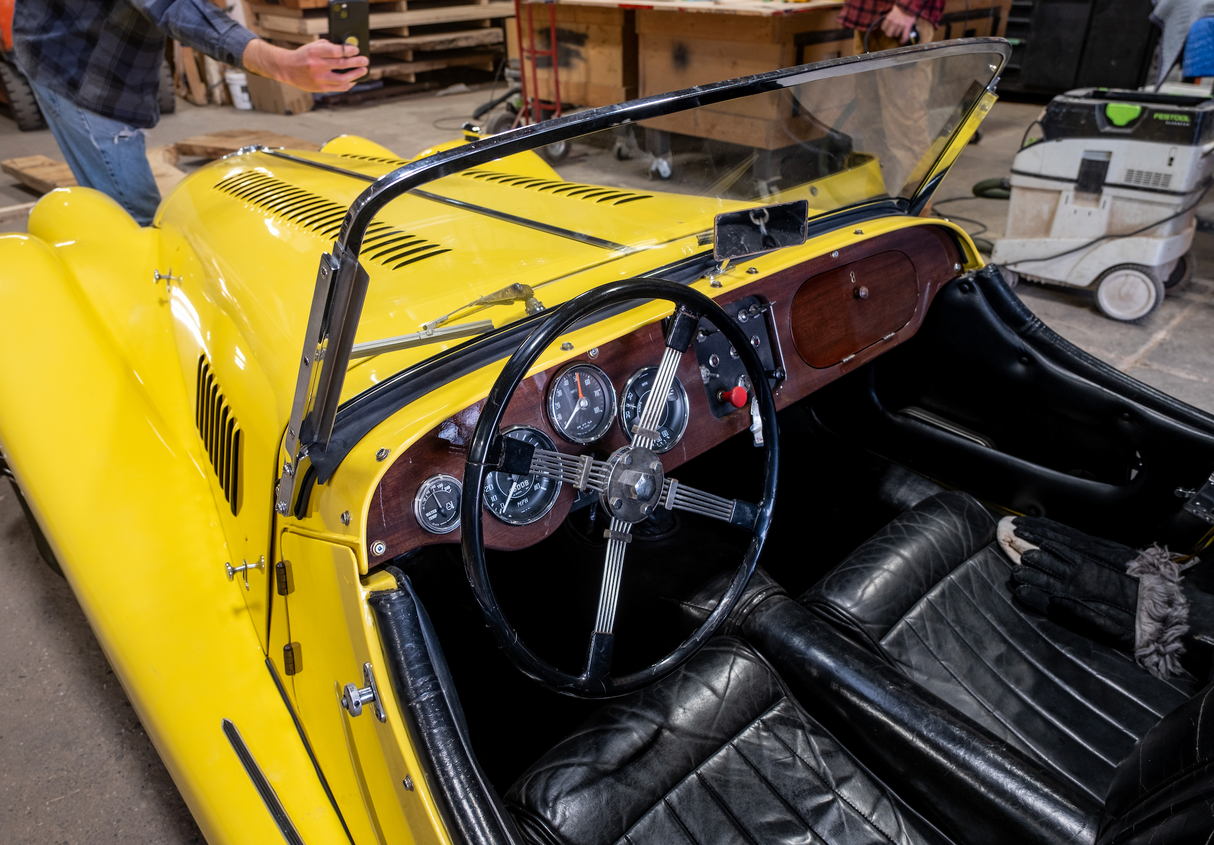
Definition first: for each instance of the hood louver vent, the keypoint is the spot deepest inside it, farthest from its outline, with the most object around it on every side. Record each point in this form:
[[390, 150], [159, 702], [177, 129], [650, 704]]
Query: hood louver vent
[[589, 193], [220, 433], [383, 244]]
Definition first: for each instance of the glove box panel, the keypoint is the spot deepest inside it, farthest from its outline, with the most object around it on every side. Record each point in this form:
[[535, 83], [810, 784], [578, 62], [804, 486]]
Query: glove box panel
[[838, 313]]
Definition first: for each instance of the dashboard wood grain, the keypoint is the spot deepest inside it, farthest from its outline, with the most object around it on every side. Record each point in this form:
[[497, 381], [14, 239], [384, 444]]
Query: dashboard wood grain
[[910, 267]]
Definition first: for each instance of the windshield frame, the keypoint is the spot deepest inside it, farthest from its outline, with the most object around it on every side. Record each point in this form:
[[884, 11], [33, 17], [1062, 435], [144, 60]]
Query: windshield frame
[[341, 283]]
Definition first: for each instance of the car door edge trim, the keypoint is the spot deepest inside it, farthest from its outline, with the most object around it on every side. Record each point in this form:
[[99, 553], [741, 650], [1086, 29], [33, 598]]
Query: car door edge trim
[[320, 775], [261, 784]]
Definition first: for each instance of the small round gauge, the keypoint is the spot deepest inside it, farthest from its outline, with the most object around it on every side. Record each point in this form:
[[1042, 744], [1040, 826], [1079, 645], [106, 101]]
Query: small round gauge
[[522, 499], [581, 403], [436, 504], [674, 416]]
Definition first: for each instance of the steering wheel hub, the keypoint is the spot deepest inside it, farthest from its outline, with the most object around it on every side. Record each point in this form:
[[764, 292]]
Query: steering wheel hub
[[635, 484]]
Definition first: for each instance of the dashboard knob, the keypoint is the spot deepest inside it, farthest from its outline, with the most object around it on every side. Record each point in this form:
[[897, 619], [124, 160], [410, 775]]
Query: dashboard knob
[[736, 397]]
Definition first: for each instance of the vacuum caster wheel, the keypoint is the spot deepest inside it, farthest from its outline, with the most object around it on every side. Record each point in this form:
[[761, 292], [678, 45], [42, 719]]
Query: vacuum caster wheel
[[660, 168], [501, 122], [1128, 292], [1183, 270]]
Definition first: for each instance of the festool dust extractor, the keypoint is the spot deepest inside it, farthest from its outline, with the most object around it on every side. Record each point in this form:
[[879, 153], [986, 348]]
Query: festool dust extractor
[[1107, 196]]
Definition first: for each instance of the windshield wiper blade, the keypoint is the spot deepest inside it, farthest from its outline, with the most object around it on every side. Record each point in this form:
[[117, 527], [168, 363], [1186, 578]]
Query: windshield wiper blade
[[425, 336], [506, 296]]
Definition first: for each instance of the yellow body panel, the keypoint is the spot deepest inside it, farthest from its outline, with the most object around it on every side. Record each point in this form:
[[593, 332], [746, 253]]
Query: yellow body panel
[[106, 443]]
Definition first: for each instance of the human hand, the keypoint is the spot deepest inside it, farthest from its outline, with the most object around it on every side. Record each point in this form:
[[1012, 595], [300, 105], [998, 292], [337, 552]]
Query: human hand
[[898, 24], [312, 67]]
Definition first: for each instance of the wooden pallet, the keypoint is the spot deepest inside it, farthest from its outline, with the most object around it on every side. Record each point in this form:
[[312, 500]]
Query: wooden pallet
[[217, 144], [42, 174], [408, 37]]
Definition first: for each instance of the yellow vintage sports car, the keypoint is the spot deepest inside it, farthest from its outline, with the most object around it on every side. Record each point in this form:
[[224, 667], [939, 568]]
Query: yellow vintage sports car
[[472, 534]]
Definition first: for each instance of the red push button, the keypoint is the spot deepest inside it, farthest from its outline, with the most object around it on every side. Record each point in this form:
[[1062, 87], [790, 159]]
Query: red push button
[[736, 397]]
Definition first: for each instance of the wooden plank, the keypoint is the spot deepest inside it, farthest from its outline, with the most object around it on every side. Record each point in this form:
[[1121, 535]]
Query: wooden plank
[[437, 41], [736, 8], [11, 213], [217, 144], [44, 175], [197, 93], [274, 23], [408, 70], [39, 173]]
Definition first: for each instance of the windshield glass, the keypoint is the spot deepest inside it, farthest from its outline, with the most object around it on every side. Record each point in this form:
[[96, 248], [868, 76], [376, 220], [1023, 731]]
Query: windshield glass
[[509, 235]]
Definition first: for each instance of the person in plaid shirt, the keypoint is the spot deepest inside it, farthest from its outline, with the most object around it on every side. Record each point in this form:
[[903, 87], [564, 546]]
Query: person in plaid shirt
[[897, 22], [95, 71], [900, 94]]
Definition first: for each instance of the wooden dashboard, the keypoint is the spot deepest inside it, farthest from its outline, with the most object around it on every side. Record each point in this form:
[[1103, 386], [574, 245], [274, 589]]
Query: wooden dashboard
[[826, 317]]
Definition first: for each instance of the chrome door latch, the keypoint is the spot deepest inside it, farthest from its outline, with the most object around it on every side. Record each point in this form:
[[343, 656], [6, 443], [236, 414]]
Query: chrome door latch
[[1200, 501], [244, 570], [353, 698]]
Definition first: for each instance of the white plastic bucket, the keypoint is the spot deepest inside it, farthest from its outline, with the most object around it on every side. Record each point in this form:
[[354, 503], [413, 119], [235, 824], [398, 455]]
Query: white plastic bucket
[[238, 85]]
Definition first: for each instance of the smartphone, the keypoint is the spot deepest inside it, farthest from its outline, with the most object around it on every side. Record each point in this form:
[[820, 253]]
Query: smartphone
[[350, 23]]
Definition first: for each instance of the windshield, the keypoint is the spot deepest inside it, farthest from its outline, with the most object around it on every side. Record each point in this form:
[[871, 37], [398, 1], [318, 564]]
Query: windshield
[[480, 236]]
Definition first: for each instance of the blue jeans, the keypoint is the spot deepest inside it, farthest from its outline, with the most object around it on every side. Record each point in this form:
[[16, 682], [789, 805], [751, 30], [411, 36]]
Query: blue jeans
[[103, 153]]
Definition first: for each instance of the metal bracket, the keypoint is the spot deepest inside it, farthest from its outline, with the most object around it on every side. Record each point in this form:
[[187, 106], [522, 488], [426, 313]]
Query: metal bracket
[[244, 570], [1201, 501], [353, 698], [168, 279]]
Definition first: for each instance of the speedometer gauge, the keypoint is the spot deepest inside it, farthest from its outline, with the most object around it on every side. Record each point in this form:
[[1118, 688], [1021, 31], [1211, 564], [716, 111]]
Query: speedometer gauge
[[581, 403], [522, 499], [674, 416]]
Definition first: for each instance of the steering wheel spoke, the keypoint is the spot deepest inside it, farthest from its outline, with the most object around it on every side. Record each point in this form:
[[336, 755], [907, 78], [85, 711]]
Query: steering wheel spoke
[[583, 472], [677, 496]]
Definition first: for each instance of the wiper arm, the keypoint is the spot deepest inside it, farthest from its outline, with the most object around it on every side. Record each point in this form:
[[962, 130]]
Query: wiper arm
[[506, 296], [425, 336]]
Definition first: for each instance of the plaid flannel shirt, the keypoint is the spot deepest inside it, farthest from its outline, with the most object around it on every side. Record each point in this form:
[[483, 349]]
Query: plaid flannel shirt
[[860, 14], [105, 56]]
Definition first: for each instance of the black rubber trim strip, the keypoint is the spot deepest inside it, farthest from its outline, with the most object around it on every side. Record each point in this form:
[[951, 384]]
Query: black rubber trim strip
[[268, 795], [522, 221], [467, 206], [468, 804], [308, 747], [1016, 172]]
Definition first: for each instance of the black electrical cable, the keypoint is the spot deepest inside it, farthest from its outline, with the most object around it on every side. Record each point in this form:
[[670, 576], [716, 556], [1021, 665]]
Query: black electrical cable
[[1180, 213]]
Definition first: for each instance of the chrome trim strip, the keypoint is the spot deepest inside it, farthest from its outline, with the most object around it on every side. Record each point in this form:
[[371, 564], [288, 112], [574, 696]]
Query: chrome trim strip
[[268, 795]]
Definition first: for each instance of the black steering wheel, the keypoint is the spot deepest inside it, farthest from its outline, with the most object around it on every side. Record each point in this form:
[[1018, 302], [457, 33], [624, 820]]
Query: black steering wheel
[[630, 484]]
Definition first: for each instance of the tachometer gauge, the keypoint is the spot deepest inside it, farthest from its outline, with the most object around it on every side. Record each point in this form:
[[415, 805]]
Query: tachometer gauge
[[436, 504], [581, 403], [522, 499], [674, 416]]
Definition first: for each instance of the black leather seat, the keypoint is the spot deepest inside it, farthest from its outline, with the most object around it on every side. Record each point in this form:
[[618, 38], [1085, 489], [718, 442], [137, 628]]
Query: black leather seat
[[929, 594], [717, 752]]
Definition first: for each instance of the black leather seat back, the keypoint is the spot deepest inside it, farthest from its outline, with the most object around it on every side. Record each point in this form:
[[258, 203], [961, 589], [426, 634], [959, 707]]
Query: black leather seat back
[[929, 592], [717, 752], [1163, 792]]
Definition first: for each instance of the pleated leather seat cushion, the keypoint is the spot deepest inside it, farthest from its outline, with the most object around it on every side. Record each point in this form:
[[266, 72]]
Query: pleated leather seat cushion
[[716, 752], [929, 592]]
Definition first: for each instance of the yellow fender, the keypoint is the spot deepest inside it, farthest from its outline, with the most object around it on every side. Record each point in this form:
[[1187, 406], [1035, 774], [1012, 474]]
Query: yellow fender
[[132, 519]]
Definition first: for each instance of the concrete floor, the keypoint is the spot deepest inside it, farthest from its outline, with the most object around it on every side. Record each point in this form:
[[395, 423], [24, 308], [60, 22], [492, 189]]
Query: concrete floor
[[75, 765]]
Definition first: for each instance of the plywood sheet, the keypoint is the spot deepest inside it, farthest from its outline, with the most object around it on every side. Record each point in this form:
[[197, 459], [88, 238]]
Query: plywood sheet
[[218, 144]]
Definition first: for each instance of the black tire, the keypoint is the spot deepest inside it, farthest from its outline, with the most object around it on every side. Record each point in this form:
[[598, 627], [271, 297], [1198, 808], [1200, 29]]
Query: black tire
[[168, 93], [21, 98], [1183, 270], [501, 122]]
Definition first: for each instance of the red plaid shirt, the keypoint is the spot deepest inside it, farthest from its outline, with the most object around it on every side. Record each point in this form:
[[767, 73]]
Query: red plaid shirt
[[859, 14]]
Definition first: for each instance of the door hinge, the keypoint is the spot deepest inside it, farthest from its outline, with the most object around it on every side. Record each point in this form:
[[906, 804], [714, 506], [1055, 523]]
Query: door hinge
[[292, 659], [283, 577]]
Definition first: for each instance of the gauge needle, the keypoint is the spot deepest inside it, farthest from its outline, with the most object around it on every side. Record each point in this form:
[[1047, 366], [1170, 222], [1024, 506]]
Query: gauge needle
[[513, 490]]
